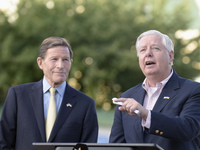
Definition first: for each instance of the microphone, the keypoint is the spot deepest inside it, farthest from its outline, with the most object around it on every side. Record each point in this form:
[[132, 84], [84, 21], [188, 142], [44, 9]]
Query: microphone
[[80, 147]]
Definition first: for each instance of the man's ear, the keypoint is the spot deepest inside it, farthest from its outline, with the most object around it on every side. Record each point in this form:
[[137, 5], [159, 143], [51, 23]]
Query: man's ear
[[39, 62], [171, 55]]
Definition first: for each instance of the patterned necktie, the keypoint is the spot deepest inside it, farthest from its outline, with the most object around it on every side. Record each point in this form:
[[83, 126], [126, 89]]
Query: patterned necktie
[[51, 114]]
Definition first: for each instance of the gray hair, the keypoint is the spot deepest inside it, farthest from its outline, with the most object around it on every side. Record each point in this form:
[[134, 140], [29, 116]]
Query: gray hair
[[53, 42], [167, 42]]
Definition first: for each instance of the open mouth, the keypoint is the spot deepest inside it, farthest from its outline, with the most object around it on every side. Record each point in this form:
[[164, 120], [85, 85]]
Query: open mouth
[[150, 63]]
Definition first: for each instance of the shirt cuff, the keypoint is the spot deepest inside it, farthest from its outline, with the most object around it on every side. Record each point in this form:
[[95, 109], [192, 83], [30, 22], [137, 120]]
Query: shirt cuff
[[147, 123]]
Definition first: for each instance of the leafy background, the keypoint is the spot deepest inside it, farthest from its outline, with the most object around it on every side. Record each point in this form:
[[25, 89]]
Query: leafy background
[[102, 34]]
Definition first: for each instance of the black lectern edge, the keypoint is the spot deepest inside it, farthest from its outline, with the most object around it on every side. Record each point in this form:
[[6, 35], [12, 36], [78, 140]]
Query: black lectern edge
[[54, 145]]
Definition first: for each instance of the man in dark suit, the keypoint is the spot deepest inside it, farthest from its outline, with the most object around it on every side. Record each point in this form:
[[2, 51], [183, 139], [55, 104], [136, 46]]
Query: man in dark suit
[[26, 109], [168, 105]]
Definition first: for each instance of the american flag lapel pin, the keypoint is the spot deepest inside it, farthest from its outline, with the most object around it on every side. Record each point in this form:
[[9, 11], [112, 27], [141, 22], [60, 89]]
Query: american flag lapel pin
[[68, 105], [166, 97]]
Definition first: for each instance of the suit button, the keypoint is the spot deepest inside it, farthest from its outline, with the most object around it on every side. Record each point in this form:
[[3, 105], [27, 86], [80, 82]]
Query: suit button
[[157, 131], [161, 133]]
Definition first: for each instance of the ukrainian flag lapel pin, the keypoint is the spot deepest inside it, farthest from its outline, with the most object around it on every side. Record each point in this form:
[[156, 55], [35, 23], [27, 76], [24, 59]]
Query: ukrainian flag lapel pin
[[68, 105], [166, 97]]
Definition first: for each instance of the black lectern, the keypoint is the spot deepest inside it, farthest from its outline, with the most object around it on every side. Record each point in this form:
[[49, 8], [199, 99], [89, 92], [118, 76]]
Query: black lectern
[[98, 146]]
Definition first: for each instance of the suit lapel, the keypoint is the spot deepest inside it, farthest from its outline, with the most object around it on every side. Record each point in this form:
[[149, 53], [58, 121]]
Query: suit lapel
[[67, 105], [139, 94], [36, 96], [168, 92]]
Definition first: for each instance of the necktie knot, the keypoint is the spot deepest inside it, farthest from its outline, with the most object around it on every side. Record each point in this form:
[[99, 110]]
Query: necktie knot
[[52, 91]]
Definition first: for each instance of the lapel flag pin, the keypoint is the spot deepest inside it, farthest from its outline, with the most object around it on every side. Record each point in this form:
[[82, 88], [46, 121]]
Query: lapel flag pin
[[68, 105], [166, 97]]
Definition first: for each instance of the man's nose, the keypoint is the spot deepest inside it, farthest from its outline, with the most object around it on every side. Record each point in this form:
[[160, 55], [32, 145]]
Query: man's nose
[[60, 63], [149, 52]]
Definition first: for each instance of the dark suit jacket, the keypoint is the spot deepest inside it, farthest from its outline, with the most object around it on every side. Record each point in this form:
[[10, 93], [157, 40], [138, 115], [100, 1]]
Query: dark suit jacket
[[23, 123], [175, 122]]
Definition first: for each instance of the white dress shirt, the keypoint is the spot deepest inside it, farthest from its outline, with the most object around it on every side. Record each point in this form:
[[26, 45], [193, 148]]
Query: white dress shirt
[[151, 97]]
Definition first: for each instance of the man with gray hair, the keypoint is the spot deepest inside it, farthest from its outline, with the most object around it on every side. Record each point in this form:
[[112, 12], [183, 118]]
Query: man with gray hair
[[165, 108]]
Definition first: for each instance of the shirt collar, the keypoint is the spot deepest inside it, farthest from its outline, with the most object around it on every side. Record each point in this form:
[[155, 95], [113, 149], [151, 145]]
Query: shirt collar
[[145, 84], [60, 89]]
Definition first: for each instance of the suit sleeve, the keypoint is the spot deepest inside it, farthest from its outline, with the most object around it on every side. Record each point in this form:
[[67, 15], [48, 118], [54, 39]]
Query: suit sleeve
[[8, 122], [183, 126], [90, 125], [117, 132]]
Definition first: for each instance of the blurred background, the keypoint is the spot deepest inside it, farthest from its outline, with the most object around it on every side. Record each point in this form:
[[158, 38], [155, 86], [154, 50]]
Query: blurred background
[[102, 34]]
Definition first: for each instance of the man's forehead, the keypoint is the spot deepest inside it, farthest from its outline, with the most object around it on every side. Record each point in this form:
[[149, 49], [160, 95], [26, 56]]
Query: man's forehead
[[58, 50], [150, 39]]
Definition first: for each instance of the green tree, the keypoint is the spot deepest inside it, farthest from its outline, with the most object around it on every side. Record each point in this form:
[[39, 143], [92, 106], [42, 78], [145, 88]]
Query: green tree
[[102, 35]]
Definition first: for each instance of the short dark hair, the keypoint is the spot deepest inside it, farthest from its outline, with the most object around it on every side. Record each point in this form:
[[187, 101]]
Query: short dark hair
[[53, 42]]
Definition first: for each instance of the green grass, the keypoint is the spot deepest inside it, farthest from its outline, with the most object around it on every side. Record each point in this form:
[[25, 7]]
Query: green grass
[[105, 118]]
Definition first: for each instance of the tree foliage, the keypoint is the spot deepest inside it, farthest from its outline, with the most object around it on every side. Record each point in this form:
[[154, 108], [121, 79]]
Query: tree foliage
[[102, 35]]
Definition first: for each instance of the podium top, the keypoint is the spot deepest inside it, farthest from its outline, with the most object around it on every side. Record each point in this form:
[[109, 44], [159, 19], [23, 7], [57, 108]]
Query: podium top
[[98, 146]]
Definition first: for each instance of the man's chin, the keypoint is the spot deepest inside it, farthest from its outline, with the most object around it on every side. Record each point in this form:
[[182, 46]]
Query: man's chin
[[150, 73], [60, 81]]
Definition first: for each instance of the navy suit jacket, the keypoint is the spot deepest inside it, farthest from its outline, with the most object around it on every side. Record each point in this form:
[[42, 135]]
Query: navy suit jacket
[[175, 118], [23, 123]]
